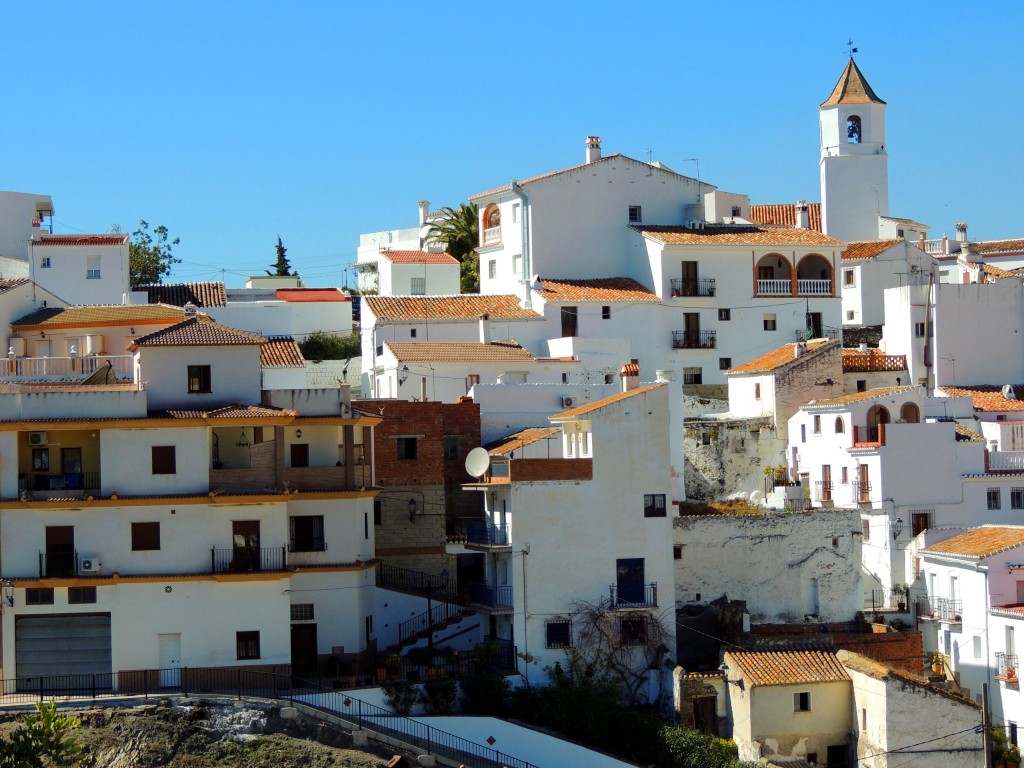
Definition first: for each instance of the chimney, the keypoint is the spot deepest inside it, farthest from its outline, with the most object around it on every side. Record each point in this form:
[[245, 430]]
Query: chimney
[[423, 389], [920, 242], [424, 212], [190, 309], [593, 149], [485, 328], [630, 375], [970, 255], [803, 217], [799, 348], [961, 231]]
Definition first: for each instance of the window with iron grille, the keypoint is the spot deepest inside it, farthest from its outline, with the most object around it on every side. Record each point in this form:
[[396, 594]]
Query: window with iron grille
[[557, 633], [724, 363], [80, 595], [306, 533], [633, 631], [921, 520], [247, 645], [302, 612], [724, 314], [418, 286], [1017, 498], [992, 497], [693, 376], [635, 214], [654, 505]]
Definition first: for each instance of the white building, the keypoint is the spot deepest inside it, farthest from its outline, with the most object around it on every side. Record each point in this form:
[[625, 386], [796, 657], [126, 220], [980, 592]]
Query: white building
[[612, 492], [870, 267], [195, 522], [417, 273]]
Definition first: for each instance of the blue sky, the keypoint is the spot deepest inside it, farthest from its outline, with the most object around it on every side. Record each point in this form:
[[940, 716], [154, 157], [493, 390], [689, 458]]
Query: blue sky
[[233, 123]]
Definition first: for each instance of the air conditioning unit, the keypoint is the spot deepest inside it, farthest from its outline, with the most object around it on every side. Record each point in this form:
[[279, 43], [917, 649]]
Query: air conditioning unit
[[91, 564], [568, 402], [37, 438]]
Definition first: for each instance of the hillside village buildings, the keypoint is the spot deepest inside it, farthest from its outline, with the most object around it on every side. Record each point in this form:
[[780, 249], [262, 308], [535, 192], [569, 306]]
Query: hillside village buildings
[[512, 464]]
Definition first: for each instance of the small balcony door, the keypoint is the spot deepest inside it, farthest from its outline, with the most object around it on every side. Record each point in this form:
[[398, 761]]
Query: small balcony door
[[691, 330], [826, 482], [814, 324], [570, 317], [864, 487], [60, 550], [689, 284], [246, 544], [629, 580]]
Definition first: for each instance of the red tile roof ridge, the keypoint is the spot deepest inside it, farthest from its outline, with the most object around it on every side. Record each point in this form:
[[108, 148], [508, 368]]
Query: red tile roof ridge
[[107, 239], [520, 439], [586, 408], [856, 397], [867, 249], [595, 289], [788, 666], [980, 542], [783, 356]]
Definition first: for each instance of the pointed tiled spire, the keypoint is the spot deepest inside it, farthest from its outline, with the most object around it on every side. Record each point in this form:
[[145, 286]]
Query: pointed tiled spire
[[852, 88]]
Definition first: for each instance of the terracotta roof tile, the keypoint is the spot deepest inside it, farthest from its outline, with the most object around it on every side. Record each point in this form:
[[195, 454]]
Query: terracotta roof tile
[[906, 222], [981, 542], [852, 88], [458, 352], [868, 249], [998, 246], [464, 306], [601, 289], [784, 214], [6, 285], [198, 332], [989, 397], [81, 240], [520, 439], [787, 667], [281, 351], [312, 294], [735, 235], [965, 434], [582, 410], [606, 159], [856, 397], [247, 411], [417, 257], [180, 294], [994, 272], [100, 314], [782, 356]]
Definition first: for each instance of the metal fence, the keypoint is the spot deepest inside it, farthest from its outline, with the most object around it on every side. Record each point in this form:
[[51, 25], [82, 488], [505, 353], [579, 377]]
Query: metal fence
[[241, 682]]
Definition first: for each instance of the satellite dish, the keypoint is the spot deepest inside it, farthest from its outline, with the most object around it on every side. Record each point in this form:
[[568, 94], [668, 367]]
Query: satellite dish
[[478, 461]]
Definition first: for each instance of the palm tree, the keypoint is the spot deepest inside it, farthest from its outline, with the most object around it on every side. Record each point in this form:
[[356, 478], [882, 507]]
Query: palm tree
[[459, 230]]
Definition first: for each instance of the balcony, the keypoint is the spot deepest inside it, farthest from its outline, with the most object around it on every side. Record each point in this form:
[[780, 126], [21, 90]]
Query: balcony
[[822, 491], [480, 534], [1006, 667], [503, 471], [869, 437], [685, 286], [1013, 460], [491, 236], [814, 287], [494, 599], [693, 340], [872, 363], [56, 565], [633, 595], [246, 560], [49, 484], [939, 609], [774, 288], [13, 369], [861, 491]]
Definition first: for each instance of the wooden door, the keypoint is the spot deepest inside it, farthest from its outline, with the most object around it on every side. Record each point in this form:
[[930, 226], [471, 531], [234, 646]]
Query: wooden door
[[60, 551]]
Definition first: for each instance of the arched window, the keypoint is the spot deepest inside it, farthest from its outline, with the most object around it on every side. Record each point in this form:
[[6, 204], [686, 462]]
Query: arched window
[[840, 425], [853, 129], [910, 413], [492, 225]]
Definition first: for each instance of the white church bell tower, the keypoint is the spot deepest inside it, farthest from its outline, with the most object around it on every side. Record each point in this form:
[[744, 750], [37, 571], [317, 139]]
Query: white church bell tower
[[853, 165]]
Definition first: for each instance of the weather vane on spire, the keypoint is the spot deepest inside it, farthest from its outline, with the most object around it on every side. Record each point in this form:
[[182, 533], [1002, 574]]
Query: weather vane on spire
[[849, 45]]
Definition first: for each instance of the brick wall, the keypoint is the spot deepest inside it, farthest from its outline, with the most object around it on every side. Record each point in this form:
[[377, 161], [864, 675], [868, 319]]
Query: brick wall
[[417, 544], [551, 469], [262, 472]]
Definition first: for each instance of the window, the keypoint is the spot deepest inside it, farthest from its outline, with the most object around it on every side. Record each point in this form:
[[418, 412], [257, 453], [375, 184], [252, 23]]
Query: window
[[677, 552], [802, 701], [378, 512], [840, 425], [803, 433], [1017, 498], [853, 128], [919, 330], [471, 381], [247, 645], [515, 213], [865, 529], [769, 321], [418, 286], [609, 378], [862, 385], [993, 499], [725, 314], [920, 521], [570, 321], [844, 476], [92, 267], [163, 460], [654, 505], [492, 269], [39, 596], [406, 448], [849, 314], [145, 536], [517, 264], [724, 363], [757, 391], [899, 233], [565, 378], [817, 424], [41, 459], [452, 449], [633, 630], [298, 454], [80, 595], [635, 216], [692, 376], [302, 612], [199, 379], [557, 633], [306, 533], [368, 627], [606, 313], [44, 263], [366, 526], [412, 333], [848, 278], [736, 211], [976, 646]]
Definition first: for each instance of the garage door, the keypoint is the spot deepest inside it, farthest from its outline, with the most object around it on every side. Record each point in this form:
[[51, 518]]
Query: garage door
[[77, 644]]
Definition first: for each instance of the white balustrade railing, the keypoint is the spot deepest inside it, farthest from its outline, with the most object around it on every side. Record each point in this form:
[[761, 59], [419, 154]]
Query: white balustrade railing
[[44, 368], [774, 288], [814, 287], [1006, 460], [492, 235]]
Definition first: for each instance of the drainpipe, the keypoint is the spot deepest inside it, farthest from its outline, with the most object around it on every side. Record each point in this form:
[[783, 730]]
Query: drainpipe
[[524, 222]]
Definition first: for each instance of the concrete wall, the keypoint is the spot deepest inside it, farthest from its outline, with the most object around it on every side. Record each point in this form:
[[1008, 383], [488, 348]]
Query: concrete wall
[[234, 375], [66, 275]]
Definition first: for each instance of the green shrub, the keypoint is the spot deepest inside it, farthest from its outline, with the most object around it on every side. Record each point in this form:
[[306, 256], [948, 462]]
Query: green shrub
[[400, 696], [438, 697]]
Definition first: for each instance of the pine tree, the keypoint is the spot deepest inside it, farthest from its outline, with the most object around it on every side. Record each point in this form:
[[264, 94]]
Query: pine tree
[[281, 267]]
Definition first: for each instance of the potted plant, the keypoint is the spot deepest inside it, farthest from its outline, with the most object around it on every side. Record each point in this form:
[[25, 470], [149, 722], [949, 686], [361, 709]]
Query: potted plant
[[1004, 754], [937, 662], [899, 593]]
